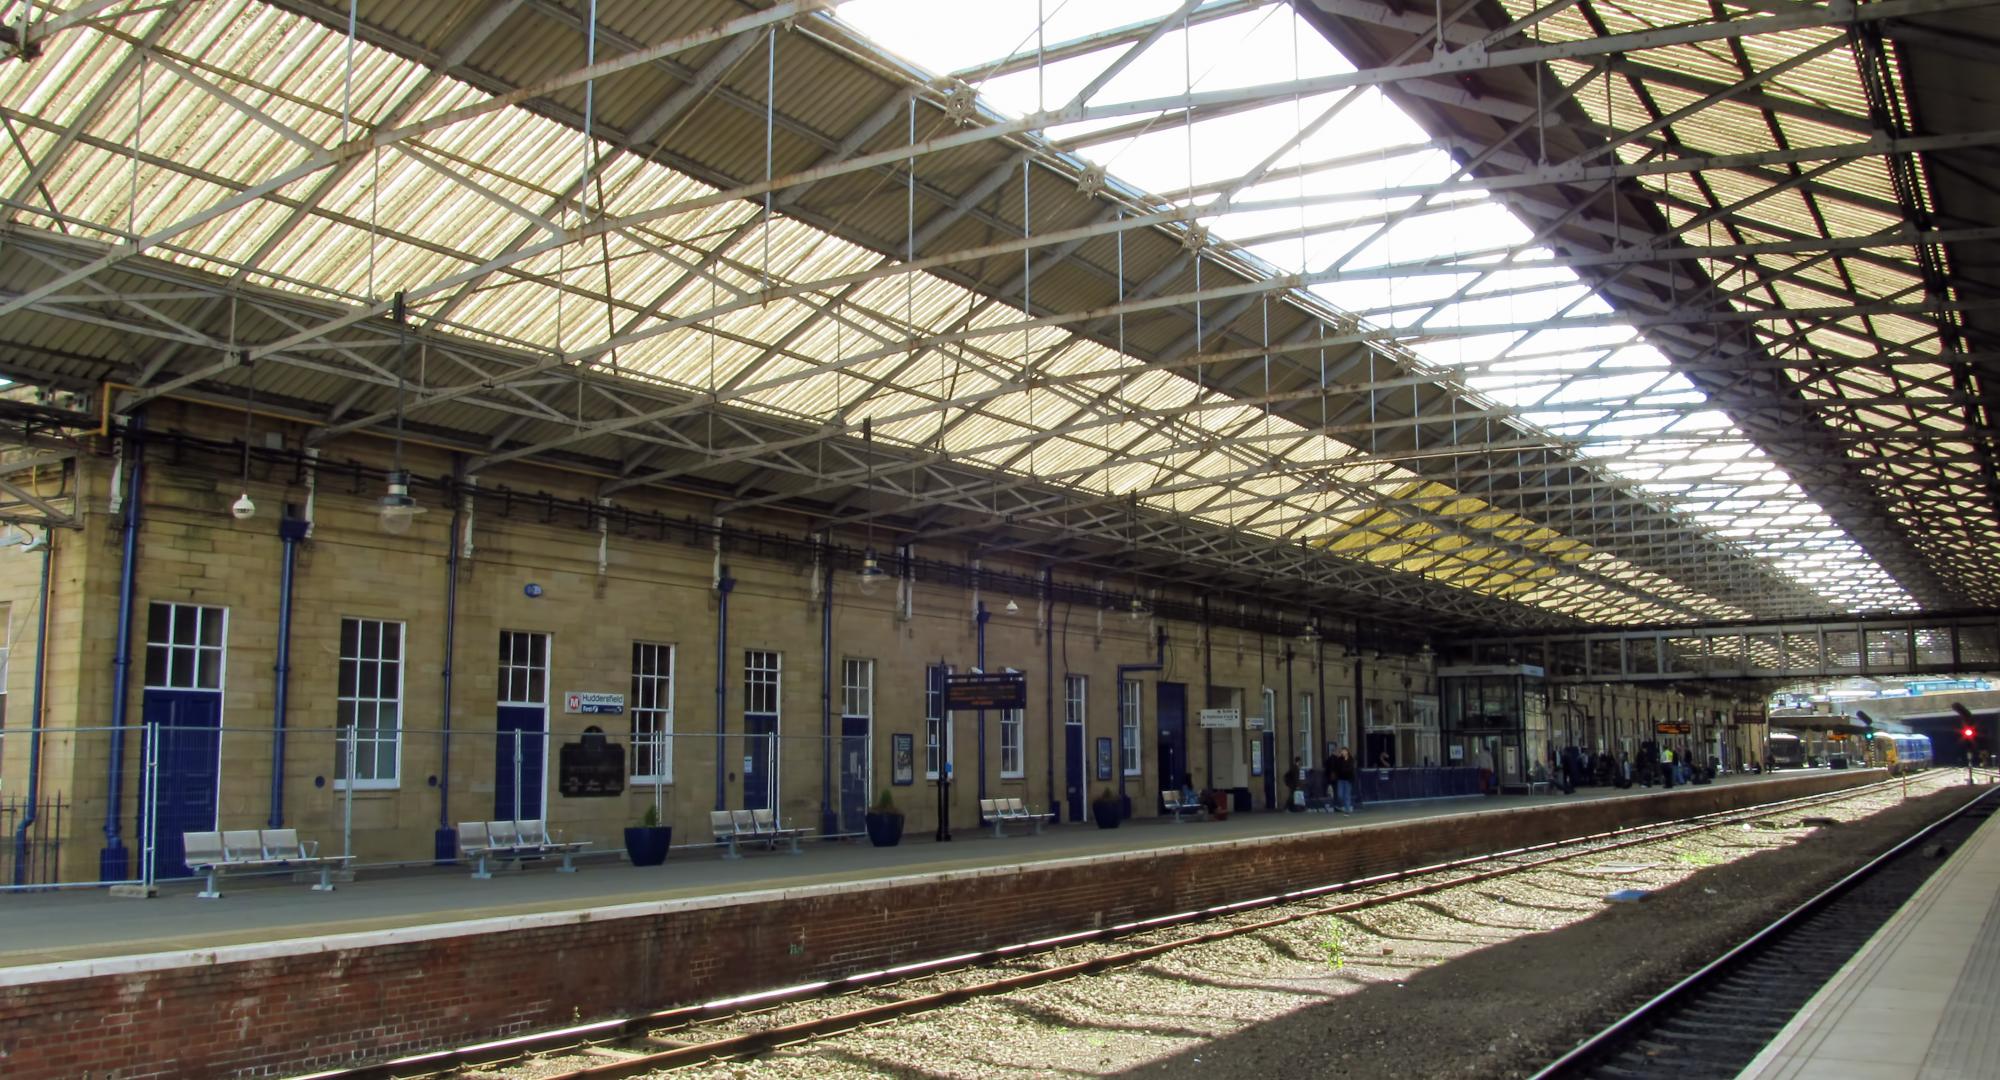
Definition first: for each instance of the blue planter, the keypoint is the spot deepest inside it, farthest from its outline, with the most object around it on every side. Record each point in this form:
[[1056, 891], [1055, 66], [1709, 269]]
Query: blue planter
[[647, 845], [884, 830]]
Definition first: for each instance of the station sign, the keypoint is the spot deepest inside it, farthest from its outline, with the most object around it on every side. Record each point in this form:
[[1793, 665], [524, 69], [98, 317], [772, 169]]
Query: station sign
[[1222, 719], [1006, 690], [577, 701], [1672, 727]]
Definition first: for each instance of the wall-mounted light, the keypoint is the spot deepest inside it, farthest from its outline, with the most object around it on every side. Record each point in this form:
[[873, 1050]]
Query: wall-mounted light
[[1012, 607], [531, 590]]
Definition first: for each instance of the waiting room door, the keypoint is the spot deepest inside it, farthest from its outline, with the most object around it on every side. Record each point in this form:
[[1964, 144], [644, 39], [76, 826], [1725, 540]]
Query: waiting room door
[[521, 726], [1173, 735], [182, 708]]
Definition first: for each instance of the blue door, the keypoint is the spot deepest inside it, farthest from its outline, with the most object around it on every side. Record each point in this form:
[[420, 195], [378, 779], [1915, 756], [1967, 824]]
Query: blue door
[[854, 773], [758, 768], [1073, 741], [532, 721], [188, 724], [1173, 735]]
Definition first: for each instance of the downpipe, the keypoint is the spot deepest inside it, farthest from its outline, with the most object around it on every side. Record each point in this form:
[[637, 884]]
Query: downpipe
[[979, 616], [35, 717], [723, 585], [114, 863], [290, 531], [444, 844], [828, 825]]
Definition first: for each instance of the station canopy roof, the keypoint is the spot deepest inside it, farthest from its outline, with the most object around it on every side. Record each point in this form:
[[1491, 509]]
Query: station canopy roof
[[1471, 318]]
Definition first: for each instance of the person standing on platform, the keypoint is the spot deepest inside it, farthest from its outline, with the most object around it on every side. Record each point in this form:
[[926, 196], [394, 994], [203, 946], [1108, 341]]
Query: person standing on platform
[[1667, 766], [1295, 799], [1343, 779], [1484, 761]]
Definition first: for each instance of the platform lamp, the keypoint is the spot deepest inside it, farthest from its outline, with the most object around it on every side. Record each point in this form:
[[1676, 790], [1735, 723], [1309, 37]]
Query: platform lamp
[[871, 565], [397, 510]]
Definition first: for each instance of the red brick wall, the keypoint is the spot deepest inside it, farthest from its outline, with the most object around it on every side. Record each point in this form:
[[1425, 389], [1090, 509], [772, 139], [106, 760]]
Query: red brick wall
[[323, 1009]]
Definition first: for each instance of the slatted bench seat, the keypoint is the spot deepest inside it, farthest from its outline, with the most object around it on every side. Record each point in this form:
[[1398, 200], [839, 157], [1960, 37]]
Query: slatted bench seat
[[1171, 800], [513, 842], [734, 828], [214, 854], [998, 812]]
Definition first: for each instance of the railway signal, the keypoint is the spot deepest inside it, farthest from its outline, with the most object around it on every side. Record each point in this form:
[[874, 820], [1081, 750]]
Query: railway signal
[[1968, 735]]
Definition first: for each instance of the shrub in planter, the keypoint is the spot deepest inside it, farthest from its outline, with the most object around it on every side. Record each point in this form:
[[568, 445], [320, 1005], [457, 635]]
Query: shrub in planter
[[1107, 809], [884, 821], [646, 843]]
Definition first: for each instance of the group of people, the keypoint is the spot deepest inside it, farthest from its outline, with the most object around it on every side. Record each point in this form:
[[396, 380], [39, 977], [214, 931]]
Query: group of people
[[1340, 777]]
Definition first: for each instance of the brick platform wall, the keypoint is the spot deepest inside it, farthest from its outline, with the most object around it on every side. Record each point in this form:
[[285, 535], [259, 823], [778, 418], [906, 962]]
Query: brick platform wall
[[292, 1008]]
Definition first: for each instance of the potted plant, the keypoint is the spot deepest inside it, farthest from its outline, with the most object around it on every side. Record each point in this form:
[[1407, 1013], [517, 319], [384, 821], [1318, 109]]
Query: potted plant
[[1107, 809], [646, 843], [885, 822]]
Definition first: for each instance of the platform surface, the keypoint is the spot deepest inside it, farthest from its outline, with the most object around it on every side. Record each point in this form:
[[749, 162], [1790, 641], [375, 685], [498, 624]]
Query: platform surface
[[87, 924], [1920, 1001]]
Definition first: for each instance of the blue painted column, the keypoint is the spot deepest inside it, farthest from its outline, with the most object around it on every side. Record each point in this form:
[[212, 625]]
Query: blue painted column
[[114, 863], [979, 617], [290, 531], [723, 585]]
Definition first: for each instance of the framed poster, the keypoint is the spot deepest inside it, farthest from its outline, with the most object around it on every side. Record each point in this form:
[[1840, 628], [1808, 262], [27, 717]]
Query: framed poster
[[1103, 758], [902, 759]]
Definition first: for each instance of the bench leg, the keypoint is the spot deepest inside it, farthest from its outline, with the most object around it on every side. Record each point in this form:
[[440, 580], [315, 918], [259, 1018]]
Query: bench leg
[[794, 838], [213, 892], [731, 852], [566, 867], [325, 879], [480, 872]]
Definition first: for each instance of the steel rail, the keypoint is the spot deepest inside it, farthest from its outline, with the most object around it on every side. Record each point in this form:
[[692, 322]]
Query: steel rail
[[1606, 1042], [643, 1028]]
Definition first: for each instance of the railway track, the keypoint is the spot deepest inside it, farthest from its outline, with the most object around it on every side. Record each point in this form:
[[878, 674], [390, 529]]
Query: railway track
[[1715, 1021], [745, 1026]]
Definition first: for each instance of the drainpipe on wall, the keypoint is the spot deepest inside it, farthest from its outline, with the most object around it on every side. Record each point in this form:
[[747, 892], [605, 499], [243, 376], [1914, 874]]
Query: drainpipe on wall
[[114, 862], [1207, 691], [291, 530], [35, 717], [828, 824], [979, 617], [444, 844], [723, 584], [1049, 683]]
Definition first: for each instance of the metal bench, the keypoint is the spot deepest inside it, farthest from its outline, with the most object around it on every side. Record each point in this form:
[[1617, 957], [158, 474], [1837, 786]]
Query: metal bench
[[513, 842], [1171, 800], [214, 854], [736, 827], [998, 812], [766, 828]]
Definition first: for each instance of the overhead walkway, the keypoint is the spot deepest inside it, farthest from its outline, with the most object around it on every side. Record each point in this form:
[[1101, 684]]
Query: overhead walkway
[[1790, 649]]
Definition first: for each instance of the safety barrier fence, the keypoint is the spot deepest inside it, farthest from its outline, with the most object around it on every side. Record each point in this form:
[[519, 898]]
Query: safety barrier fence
[[102, 805]]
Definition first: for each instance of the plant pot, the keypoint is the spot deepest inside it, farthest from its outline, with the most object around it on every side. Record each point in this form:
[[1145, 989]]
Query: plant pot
[[1106, 814], [884, 830], [647, 845]]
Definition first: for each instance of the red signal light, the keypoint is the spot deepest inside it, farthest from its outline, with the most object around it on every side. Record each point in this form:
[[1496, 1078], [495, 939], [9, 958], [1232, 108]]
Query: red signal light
[[1966, 733]]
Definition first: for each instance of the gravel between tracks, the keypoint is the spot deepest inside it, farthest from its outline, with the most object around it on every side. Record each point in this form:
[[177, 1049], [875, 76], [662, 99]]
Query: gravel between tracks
[[1493, 979]]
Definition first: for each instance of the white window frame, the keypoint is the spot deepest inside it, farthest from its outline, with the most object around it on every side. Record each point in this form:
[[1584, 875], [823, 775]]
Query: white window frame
[[523, 676], [1270, 705], [756, 676], [857, 687], [1312, 756], [653, 747], [1130, 718], [1076, 699], [195, 649], [1017, 721], [367, 749], [1344, 712]]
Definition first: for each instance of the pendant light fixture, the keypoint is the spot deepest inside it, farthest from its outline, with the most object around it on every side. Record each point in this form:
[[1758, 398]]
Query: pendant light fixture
[[871, 566], [243, 509], [397, 509]]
